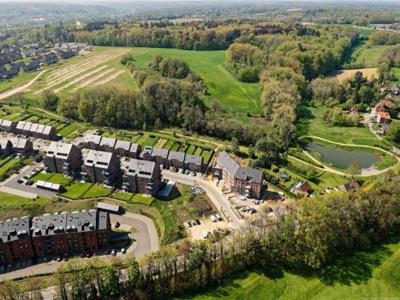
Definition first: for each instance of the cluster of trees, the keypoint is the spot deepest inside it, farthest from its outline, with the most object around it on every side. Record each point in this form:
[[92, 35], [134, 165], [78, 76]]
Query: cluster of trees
[[245, 60], [310, 52], [359, 92], [308, 235], [337, 117], [384, 37], [391, 57], [168, 67]]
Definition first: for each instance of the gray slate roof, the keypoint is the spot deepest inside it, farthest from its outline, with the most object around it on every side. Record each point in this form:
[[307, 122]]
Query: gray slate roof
[[237, 171], [194, 159], [141, 168], [160, 152], [179, 156], [13, 229]]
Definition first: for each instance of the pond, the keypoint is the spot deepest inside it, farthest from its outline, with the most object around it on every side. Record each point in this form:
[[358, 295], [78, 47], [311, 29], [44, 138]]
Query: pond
[[340, 158]]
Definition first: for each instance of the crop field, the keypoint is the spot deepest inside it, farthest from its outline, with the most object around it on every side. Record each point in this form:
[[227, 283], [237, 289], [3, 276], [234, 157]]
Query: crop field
[[100, 67], [237, 98]]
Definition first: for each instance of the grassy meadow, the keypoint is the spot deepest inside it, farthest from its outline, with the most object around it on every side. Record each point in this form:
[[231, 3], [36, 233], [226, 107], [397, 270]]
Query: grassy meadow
[[311, 123], [365, 275], [367, 56], [237, 98]]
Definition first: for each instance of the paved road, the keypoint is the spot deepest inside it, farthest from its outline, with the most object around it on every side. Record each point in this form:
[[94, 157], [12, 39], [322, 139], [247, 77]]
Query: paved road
[[145, 232], [220, 200], [11, 185], [20, 89]]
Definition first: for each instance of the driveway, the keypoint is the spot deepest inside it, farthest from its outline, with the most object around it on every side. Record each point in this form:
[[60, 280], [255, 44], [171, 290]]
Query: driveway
[[145, 232], [220, 200]]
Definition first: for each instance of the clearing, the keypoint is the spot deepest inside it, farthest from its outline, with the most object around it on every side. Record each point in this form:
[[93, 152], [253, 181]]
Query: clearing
[[342, 75]]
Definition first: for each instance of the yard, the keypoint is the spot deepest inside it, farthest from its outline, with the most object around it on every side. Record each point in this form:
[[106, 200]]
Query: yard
[[365, 275], [80, 190], [51, 177]]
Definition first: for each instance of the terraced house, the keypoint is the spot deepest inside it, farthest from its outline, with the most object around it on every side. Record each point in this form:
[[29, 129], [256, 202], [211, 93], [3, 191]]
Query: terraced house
[[141, 176], [242, 180], [63, 158], [101, 167], [36, 130]]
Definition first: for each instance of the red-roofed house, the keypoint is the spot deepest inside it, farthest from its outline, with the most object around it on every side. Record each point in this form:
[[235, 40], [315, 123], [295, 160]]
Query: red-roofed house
[[383, 117]]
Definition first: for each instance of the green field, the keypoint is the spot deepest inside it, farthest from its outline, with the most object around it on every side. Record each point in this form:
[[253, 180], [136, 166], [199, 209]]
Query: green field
[[367, 56], [311, 123], [236, 97], [366, 275]]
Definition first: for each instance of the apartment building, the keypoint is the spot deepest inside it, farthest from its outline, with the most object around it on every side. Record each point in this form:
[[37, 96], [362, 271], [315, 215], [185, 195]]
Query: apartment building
[[53, 235], [107, 144], [141, 176], [101, 167], [15, 244], [242, 180], [63, 158], [70, 232]]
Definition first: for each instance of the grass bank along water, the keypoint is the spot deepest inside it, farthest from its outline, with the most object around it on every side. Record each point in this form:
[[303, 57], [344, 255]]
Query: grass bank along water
[[341, 156]]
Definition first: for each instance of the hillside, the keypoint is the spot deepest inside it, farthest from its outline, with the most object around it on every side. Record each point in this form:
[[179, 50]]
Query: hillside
[[363, 276]]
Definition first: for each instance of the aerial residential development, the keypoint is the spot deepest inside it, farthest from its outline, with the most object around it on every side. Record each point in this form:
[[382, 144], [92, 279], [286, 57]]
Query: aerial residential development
[[199, 149]]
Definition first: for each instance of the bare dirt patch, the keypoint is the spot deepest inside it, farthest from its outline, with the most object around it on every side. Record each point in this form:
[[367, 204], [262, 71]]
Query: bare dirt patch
[[342, 75]]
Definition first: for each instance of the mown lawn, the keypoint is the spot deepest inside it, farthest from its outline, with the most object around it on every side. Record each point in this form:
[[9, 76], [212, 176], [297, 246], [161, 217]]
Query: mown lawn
[[51, 177], [237, 98], [8, 164], [77, 190], [365, 275], [67, 130]]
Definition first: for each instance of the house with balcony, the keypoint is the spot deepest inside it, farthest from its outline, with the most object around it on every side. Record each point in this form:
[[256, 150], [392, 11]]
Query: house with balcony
[[141, 176], [101, 167], [63, 158]]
